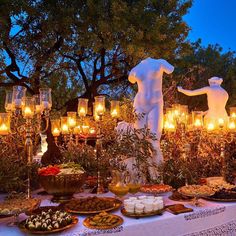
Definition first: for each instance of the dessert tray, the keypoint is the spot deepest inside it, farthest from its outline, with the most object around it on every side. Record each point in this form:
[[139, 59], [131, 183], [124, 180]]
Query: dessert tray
[[103, 221], [48, 222], [92, 205], [141, 215]]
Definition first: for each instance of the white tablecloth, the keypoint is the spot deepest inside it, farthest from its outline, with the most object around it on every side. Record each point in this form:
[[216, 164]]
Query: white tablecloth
[[214, 219]]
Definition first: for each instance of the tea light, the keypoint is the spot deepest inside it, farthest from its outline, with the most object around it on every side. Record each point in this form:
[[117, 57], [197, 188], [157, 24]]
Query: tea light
[[210, 126], [92, 131], [56, 132], [65, 129], [100, 109], [99, 105], [232, 125], [28, 112], [197, 123], [4, 129], [82, 112], [114, 113]]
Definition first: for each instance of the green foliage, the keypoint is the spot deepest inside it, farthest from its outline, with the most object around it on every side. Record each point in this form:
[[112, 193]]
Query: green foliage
[[86, 46]]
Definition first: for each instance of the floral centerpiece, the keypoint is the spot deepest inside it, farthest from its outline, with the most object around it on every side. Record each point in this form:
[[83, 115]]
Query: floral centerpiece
[[63, 180]]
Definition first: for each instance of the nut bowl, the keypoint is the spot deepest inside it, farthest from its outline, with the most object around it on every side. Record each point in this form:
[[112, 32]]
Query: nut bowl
[[62, 187]]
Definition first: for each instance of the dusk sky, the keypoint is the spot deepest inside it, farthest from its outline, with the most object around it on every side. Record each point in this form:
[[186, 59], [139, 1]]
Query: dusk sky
[[214, 21]]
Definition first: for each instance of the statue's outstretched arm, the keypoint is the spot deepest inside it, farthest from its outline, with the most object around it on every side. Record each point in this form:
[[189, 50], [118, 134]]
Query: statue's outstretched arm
[[193, 92]]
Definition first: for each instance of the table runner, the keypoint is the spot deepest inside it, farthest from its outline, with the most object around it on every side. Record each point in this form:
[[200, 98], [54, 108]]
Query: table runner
[[214, 219]]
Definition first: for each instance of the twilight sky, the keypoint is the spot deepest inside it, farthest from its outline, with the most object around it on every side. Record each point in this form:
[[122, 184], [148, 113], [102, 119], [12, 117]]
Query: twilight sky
[[214, 21]]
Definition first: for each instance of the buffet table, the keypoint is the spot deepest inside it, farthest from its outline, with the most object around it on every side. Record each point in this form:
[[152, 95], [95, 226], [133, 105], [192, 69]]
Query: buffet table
[[218, 219]]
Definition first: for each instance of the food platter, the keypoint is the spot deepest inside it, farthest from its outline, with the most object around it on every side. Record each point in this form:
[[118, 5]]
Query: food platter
[[24, 229], [156, 188], [196, 191], [176, 196], [88, 222], [44, 208], [212, 198], [141, 215], [114, 205], [16, 206]]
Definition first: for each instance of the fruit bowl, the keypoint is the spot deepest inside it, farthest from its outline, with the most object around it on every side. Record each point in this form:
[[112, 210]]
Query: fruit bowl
[[62, 187]]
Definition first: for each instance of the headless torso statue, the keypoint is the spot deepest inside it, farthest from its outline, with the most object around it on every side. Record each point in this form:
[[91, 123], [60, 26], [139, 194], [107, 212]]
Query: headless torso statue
[[149, 100], [217, 98]]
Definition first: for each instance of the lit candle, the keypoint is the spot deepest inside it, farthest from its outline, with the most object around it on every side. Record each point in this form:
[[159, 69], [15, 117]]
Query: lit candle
[[114, 113], [100, 109], [4, 129], [56, 132], [28, 112], [169, 126], [92, 131], [210, 126], [232, 125], [71, 122], [65, 129], [197, 123], [221, 122], [82, 112]]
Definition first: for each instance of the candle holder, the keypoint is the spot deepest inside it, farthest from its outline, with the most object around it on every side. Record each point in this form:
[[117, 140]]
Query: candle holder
[[221, 131], [24, 119]]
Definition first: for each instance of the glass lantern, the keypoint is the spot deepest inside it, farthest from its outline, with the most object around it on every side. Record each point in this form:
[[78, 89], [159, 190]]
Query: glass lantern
[[55, 127], [71, 119], [45, 98], [77, 129], [82, 107], [197, 119], [115, 109], [232, 111], [8, 101], [95, 115], [18, 94], [38, 108], [100, 105], [28, 107], [4, 123], [232, 124], [64, 125]]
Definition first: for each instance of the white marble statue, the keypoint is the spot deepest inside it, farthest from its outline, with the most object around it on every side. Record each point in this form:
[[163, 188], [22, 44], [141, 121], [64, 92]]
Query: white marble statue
[[217, 98], [149, 99]]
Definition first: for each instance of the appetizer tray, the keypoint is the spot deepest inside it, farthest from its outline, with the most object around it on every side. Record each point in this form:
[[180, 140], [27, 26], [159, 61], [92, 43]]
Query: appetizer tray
[[93, 222], [135, 215], [112, 204], [26, 230], [156, 188]]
